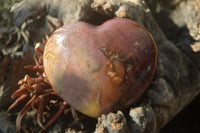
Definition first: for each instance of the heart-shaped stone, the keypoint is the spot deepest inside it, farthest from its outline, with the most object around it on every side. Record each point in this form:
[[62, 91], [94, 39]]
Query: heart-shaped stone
[[100, 69]]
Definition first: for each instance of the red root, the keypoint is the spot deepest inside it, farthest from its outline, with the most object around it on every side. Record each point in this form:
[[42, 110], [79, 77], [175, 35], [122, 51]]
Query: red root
[[37, 93]]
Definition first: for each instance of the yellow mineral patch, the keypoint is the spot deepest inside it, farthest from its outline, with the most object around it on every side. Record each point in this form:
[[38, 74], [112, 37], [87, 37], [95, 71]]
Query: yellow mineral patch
[[91, 109], [117, 80], [111, 74]]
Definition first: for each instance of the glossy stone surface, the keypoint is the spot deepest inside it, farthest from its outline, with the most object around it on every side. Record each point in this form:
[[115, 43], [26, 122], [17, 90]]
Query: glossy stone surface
[[100, 69]]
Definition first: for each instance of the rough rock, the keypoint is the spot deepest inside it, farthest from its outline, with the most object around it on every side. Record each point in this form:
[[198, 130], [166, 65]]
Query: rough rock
[[142, 119], [112, 123], [12, 70], [6, 125], [78, 10], [182, 27]]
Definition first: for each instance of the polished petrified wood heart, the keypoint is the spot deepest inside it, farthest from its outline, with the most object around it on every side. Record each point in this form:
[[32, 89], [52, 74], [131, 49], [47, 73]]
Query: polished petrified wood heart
[[100, 69]]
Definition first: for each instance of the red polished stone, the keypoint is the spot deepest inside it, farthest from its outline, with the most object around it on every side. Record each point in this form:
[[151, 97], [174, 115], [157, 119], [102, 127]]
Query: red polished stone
[[100, 69]]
